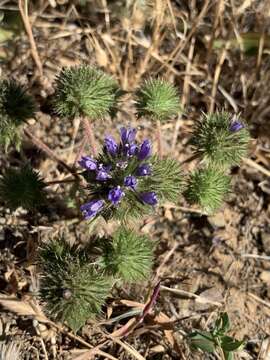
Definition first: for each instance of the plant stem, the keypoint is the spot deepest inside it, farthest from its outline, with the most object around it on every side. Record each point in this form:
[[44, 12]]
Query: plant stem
[[159, 139], [80, 151], [42, 146], [64, 181], [90, 134]]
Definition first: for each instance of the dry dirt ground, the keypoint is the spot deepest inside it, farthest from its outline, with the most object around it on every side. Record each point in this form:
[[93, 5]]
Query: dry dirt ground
[[223, 259]]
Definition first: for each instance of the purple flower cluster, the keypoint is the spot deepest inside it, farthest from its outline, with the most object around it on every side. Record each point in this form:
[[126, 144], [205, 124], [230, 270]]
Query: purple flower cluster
[[120, 154]]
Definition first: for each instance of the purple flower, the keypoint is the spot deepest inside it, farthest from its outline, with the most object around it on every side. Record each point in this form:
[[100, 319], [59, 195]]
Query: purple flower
[[115, 195], [127, 135], [130, 181], [145, 150], [111, 145], [143, 170], [88, 163], [102, 173], [236, 126], [91, 208], [149, 198]]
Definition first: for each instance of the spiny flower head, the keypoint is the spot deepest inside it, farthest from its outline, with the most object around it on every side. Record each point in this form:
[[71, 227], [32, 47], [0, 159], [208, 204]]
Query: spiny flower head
[[207, 188], [127, 255], [22, 187], [157, 99], [221, 139], [127, 180], [85, 91], [16, 106], [72, 288]]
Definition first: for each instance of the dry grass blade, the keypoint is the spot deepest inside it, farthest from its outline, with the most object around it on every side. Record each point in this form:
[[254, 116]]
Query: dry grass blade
[[22, 308], [127, 347]]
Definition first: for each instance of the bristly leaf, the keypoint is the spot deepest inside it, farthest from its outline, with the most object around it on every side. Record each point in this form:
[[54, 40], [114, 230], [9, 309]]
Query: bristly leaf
[[157, 99], [220, 139], [207, 188], [71, 286], [167, 179], [16, 106], [22, 187], [85, 91], [128, 256]]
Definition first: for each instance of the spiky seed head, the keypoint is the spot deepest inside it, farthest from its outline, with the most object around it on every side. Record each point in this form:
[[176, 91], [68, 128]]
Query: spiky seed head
[[157, 99], [22, 187], [72, 288], [85, 91], [128, 256], [207, 188], [10, 351], [218, 141], [16, 106]]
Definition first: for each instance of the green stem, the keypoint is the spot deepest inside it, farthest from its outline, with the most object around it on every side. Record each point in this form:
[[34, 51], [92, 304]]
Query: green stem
[[159, 139]]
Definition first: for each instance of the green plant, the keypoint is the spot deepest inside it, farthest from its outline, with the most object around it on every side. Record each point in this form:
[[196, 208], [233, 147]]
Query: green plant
[[22, 187], [16, 106], [220, 139], [72, 288], [216, 339], [157, 99], [127, 255], [207, 188], [85, 91]]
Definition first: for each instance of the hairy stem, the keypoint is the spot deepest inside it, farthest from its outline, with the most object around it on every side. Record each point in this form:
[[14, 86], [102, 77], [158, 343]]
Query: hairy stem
[[159, 139], [80, 151], [42, 146], [90, 134]]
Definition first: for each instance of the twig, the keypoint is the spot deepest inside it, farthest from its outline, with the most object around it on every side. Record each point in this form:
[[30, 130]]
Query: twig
[[258, 299], [42, 146], [64, 181], [254, 256], [199, 298], [23, 7], [90, 134], [258, 167]]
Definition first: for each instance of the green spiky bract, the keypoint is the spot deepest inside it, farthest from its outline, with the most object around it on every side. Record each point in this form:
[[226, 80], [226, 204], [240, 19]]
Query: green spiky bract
[[22, 187], [128, 256], [16, 106], [72, 288], [207, 188], [157, 99], [85, 91], [166, 180], [216, 144]]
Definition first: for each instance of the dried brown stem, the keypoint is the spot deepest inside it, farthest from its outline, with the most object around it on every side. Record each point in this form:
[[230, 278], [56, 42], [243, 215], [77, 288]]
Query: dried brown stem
[[24, 14], [90, 134], [42, 146]]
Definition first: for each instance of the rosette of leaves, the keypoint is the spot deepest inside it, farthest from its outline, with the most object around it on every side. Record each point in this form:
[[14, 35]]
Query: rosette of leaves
[[216, 339], [85, 91], [127, 181], [220, 139], [157, 99], [71, 286], [16, 106], [127, 256], [22, 187], [207, 188]]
